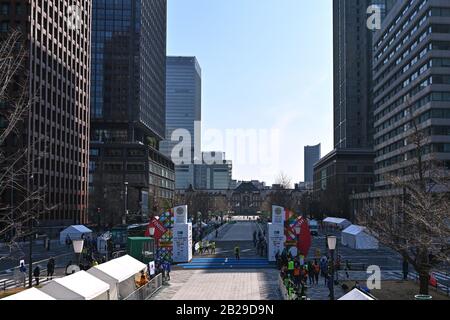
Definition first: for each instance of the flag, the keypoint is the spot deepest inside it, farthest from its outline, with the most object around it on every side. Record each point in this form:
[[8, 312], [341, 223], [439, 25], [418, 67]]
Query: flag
[[305, 238]]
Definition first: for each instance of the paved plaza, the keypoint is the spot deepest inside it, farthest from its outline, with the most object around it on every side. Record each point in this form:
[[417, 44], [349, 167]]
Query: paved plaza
[[221, 285]]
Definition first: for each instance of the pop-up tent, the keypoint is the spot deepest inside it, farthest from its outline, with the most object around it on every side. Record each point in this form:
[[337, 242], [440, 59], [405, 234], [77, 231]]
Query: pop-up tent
[[77, 286], [356, 237], [357, 294], [30, 294], [120, 274], [74, 233], [337, 222]]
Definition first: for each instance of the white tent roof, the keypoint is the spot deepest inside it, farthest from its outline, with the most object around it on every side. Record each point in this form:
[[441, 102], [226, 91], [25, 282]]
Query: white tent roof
[[354, 229], [356, 294], [78, 285], [77, 229], [121, 268], [336, 220], [30, 294]]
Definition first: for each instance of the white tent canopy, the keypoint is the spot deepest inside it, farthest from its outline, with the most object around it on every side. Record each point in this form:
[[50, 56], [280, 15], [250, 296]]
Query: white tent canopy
[[74, 232], [356, 294], [339, 222], [30, 294], [119, 274], [78, 286], [357, 237]]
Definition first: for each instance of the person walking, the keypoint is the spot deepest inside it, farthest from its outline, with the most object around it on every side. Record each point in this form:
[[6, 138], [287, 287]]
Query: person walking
[[168, 269], [316, 268], [50, 268], [23, 273], [237, 252], [213, 247], [405, 269], [310, 273], [37, 274]]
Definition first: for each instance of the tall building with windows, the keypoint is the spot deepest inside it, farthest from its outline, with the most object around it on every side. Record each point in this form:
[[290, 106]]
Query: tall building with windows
[[352, 45], [312, 155], [129, 175], [183, 113], [56, 130], [411, 76], [353, 108], [183, 100]]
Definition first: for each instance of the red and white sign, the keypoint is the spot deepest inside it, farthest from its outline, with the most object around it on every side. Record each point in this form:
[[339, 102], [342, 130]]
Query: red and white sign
[[159, 229]]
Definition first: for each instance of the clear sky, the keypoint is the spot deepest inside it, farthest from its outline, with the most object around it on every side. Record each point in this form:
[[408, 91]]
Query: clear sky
[[266, 65]]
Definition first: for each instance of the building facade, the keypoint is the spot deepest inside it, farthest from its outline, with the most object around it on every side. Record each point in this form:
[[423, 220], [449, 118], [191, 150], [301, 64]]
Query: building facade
[[312, 155], [128, 108], [183, 112], [56, 130], [352, 55], [411, 76], [340, 174], [183, 101], [214, 175]]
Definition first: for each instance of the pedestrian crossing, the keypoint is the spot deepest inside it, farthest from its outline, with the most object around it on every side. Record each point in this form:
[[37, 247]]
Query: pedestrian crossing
[[443, 279], [226, 263]]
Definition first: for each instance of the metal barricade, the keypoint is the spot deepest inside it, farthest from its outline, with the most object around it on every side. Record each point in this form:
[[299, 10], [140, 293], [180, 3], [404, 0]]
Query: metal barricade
[[147, 291]]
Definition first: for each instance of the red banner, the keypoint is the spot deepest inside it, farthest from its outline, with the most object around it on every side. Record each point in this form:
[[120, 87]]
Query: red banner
[[159, 229], [305, 238]]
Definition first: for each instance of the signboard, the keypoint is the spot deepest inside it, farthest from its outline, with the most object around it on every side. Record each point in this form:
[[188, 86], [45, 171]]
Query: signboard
[[152, 269], [277, 240], [180, 215], [182, 242], [278, 215], [159, 229]]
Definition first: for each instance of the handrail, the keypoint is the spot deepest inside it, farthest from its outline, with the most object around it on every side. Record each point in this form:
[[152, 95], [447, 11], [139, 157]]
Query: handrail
[[147, 291]]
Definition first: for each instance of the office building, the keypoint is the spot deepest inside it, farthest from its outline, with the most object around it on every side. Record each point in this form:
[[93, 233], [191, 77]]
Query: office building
[[411, 79], [129, 176], [312, 155], [352, 45], [215, 175], [353, 109], [183, 102], [55, 132]]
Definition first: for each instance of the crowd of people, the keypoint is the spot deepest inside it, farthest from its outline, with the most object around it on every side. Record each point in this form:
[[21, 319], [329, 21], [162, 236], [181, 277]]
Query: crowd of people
[[298, 274], [206, 246]]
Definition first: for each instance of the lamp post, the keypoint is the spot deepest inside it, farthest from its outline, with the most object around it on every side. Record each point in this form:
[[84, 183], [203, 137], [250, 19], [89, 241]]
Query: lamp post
[[30, 257], [78, 248], [124, 220], [331, 241], [151, 230]]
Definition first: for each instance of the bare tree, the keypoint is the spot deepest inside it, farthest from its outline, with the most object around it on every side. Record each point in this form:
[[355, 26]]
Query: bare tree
[[20, 203], [282, 194], [414, 219]]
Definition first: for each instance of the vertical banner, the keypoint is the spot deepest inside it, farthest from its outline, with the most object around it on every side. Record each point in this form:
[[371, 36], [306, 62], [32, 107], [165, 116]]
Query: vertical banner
[[165, 243], [276, 240], [182, 242]]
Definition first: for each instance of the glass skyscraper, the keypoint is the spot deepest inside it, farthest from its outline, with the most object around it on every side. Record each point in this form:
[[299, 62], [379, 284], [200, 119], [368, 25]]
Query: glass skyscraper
[[128, 109]]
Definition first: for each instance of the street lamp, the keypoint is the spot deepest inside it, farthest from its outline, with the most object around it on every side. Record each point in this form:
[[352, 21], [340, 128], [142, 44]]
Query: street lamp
[[78, 248], [151, 231], [331, 241], [30, 257], [124, 221]]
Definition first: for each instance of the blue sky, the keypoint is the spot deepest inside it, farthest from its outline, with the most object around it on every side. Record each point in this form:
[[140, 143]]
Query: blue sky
[[266, 64]]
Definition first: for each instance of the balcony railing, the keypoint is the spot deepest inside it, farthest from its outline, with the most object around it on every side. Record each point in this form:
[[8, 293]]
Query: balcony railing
[[147, 291]]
